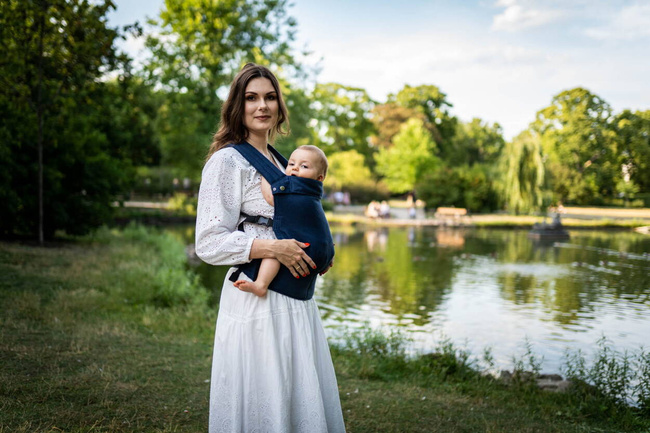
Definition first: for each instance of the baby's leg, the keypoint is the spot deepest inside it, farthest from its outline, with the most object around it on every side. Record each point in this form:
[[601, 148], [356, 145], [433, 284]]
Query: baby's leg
[[268, 270]]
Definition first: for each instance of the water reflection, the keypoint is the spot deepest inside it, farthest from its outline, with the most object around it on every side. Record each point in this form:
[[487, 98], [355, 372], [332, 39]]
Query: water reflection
[[487, 288], [493, 288]]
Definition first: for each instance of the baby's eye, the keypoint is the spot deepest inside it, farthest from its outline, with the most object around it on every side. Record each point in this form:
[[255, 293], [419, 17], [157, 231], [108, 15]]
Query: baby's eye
[[305, 166]]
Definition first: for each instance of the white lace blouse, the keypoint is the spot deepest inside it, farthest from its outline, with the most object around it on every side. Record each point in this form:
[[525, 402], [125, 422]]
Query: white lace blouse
[[230, 185]]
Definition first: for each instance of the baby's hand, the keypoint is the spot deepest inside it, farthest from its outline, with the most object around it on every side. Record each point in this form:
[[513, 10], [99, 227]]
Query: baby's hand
[[328, 268]]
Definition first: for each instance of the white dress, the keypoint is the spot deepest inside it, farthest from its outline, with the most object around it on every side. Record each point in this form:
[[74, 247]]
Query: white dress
[[272, 369]]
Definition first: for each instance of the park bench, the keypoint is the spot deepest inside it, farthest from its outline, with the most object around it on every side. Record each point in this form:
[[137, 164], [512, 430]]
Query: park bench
[[450, 214]]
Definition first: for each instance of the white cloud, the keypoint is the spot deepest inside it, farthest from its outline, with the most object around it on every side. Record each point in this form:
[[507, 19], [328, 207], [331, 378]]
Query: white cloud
[[630, 23], [520, 15]]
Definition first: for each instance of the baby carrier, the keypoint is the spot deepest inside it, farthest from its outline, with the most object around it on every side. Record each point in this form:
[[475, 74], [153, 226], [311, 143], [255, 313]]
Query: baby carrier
[[298, 215]]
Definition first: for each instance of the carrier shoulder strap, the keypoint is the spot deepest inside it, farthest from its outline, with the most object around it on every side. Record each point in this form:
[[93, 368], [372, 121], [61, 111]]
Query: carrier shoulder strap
[[267, 169]]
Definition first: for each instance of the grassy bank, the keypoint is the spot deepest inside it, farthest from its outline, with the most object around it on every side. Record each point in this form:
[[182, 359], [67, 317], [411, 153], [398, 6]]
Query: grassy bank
[[111, 333], [492, 220]]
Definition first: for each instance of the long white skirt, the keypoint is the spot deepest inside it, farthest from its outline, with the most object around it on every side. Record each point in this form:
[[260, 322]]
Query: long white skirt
[[272, 369]]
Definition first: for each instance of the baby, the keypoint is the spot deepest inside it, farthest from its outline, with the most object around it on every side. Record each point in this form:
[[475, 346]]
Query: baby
[[305, 161]]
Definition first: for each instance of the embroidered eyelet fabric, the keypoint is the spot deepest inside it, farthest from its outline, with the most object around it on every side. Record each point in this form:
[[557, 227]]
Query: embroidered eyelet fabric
[[271, 370]]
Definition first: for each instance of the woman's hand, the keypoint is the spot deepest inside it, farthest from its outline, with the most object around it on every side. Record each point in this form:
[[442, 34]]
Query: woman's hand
[[331, 265], [288, 252], [291, 254]]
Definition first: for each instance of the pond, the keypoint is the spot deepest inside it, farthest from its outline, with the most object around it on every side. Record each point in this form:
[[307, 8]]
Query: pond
[[487, 288]]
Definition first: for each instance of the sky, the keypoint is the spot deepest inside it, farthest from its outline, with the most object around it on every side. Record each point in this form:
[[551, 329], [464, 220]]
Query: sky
[[498, 60]]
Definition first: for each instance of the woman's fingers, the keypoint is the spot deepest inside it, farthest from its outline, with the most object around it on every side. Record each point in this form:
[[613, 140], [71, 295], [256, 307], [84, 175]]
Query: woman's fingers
[[306, 259], [291, 254], [328, 268]]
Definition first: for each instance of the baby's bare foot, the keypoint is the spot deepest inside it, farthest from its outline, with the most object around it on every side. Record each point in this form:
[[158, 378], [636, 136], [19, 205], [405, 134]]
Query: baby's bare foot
[[250, 287]]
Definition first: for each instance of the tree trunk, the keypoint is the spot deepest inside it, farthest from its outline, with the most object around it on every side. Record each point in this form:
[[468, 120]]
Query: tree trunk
[[39, 116]]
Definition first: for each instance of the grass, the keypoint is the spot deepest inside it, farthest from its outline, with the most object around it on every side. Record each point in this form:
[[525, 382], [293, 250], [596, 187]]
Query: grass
[[93, 338]]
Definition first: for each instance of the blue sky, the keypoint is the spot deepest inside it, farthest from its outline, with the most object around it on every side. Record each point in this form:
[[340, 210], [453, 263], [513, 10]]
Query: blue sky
[[499, 60]]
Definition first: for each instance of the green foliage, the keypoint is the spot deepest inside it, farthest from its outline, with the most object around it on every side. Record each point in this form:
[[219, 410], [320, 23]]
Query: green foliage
[[632, 142], [578, 145], [348, 172], [529, 362], [52, 98], [347, 168], [475, 142], [164, 280], [411, 156], [183, 204], [342, 120], [522, 184], [465, 187], [301, 114], [429, 101], [388, 119], [197, 49], [620, 377]]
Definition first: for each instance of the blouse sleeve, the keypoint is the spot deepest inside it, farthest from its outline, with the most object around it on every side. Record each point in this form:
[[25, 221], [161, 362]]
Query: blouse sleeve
[[218, 242]]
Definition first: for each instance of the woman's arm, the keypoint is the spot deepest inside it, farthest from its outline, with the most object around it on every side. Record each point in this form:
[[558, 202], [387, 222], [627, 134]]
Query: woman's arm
[[218, 242]]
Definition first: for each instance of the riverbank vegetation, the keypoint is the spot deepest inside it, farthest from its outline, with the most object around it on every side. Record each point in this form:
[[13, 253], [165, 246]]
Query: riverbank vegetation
[[112, 332]]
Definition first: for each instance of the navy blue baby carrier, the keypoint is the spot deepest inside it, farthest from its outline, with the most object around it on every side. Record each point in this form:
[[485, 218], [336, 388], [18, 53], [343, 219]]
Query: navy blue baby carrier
[[298, 215]]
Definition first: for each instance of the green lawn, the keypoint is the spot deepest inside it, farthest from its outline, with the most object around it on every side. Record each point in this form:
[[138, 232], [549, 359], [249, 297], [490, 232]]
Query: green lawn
[[94, 338]]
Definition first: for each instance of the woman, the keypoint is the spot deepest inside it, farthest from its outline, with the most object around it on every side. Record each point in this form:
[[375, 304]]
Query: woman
[[271, 370]]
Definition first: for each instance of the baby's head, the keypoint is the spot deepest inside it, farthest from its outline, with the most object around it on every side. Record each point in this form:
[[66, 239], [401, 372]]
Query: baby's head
[[307, 161]]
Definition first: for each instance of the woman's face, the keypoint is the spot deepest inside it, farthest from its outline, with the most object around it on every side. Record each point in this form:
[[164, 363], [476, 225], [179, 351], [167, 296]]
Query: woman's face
[[261, 107]]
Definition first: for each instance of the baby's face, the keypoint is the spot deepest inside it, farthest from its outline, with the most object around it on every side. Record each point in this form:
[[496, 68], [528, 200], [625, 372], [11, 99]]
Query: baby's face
[[302, 163]]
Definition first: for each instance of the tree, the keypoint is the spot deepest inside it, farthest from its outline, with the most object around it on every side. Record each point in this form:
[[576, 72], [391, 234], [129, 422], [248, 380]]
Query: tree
[[633, 149], [342, 119], [463, 186], [62, 173], [388, 119], [301, 118], [522, 185], [199, 47], [411, 155], [347, 168], [433, 104], [577, 139], [475, 142]]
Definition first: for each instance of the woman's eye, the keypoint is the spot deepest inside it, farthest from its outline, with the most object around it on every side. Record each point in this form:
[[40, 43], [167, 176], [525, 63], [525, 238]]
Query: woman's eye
[[271, 98], [250, 98]]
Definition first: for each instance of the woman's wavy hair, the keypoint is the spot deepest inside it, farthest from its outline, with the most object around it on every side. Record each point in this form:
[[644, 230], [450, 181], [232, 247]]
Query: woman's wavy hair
[[232, 129]]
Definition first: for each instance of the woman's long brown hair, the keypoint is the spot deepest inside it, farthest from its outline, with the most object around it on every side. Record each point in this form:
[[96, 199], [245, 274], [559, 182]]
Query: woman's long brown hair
[[232, 129]]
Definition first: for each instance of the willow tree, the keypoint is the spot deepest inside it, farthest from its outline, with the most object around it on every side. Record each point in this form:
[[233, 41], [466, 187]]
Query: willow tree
[[522, 185]]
